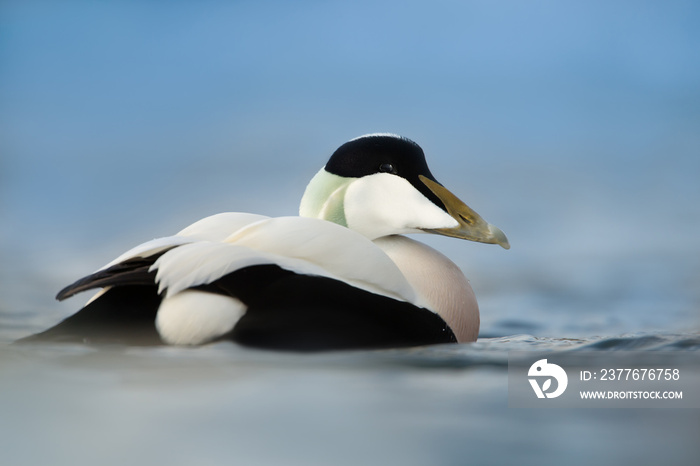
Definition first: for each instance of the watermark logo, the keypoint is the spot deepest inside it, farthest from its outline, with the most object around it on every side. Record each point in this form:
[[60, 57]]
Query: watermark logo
[[547, 371], [603, 379]]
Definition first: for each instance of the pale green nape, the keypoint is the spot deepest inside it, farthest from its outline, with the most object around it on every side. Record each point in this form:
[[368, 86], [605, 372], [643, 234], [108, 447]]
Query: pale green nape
[[324, 197]]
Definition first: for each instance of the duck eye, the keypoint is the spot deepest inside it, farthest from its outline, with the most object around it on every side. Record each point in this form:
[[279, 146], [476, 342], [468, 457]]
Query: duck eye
[[387, 168]]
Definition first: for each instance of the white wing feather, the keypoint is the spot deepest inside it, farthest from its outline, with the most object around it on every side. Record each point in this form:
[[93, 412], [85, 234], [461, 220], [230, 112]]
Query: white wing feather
[[342, 252], [220, 226], [301, 245], [220, 244], [149, 248], [213, 228]]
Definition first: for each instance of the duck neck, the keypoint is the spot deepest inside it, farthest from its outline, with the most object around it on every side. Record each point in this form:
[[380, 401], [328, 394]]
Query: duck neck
[[324, 198]]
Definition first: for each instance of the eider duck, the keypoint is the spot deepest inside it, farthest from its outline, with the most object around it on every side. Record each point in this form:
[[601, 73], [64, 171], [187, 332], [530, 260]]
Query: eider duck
[[341, 275]]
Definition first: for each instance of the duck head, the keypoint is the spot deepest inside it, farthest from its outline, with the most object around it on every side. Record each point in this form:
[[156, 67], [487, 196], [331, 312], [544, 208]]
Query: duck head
[[380, 185]]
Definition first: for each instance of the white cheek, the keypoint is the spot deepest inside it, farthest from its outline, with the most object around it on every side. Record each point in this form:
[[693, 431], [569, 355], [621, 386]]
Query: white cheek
[[383, 204]]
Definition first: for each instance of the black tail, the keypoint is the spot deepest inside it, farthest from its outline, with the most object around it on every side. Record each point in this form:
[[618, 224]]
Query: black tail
[[123, 314], [130, 272]]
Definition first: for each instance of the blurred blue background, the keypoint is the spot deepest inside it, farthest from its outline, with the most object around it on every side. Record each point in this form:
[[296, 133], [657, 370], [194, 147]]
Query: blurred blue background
[[573, 126]]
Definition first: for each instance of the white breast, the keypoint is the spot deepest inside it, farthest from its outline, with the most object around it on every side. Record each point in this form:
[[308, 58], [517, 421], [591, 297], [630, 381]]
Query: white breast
[[438, 281]]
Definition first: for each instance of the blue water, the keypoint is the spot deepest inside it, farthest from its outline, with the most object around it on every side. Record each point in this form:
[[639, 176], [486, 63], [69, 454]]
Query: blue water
[[221, 403], [571, 127]]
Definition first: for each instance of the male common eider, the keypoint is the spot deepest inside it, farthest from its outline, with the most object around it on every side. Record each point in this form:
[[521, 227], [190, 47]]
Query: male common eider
[[339, 276]]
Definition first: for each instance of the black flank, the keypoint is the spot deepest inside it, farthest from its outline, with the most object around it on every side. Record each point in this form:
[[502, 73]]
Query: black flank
[[310, 313]]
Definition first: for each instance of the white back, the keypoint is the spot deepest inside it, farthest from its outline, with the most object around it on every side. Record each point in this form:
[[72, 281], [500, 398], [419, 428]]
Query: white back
[[302, 245]]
